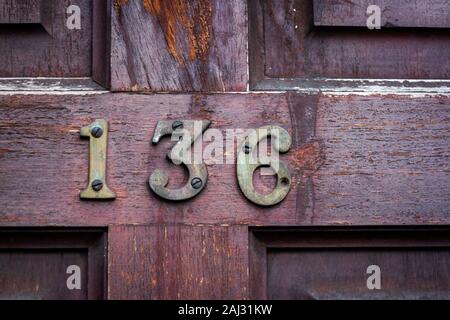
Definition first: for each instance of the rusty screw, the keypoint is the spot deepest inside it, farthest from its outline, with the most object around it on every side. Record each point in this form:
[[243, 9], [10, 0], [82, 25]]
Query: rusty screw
[[196, 183], [247, 148], [97, 132], [97, 185], [177, 124]]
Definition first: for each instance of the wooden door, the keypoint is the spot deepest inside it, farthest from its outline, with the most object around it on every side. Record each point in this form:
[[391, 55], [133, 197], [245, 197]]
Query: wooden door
[[367, 213]]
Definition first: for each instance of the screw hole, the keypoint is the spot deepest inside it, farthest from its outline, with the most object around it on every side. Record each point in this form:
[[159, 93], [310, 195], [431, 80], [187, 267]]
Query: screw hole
[[284, 181]]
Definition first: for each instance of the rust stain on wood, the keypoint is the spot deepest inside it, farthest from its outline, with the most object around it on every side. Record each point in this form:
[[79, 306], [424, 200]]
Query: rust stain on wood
[[309, 157], [184, 55], [201, 30], [118, 5], [180, 19]]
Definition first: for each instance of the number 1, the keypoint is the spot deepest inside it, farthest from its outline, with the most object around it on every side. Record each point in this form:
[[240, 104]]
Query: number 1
[[97, 132]]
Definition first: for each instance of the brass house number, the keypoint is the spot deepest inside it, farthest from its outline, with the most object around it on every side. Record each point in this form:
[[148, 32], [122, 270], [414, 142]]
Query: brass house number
[[247, 162], [97, 132]]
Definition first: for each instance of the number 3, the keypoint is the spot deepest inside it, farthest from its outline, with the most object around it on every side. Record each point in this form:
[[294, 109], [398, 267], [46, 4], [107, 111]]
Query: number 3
[[198, 174]]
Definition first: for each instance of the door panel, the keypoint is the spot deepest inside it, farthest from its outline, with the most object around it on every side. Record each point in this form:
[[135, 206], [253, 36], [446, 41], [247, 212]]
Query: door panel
[[342, 274], [288, 42], [332, 263], [40, 275], [395, 13], [20, 11], [37, 42], [37, 264]]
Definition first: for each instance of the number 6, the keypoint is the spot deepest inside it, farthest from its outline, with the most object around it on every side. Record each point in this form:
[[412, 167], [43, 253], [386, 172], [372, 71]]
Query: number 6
[[247, 163]]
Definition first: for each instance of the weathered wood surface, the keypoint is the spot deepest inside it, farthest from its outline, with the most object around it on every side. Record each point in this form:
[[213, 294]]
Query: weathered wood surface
[[178, 262], [34, 262], [387, 155], [286, 44], [49, 85], [20, 11], [46, 48], [331, 263], [179, 45], [355, 159], [394, 13], [101, 42]]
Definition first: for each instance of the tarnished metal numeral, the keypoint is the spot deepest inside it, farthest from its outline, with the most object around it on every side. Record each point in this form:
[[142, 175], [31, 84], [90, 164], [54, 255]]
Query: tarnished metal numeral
[[97, 132], [198, 175], [247, 163]]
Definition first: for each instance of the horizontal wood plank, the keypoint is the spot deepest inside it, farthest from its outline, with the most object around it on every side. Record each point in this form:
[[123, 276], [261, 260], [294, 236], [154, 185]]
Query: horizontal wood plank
[[355, 159], [394, 13]]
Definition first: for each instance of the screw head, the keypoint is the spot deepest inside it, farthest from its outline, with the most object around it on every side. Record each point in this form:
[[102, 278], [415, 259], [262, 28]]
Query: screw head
[[97, 185], [177, 124], [97, 132], [196, 183], [247, 148]]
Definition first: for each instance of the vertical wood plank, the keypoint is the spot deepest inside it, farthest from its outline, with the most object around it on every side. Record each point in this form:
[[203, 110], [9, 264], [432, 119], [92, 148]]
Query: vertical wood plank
[[179, 45], [178, 262], [101, 42]]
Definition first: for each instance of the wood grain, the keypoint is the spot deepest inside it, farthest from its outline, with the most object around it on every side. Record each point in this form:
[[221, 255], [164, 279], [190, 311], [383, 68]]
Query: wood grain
[[392, 153], [300, 274], [286, 44], [355, 159], [331, 263], [33, 263], [101, 42], [48, 49], [394, 13], [179, 45], [20, 11], [178, 262]]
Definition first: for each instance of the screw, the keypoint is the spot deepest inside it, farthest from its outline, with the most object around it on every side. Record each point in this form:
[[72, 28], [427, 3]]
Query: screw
[[97, 132], [247, 148], [177, 125], [196, 183], [97, 185]]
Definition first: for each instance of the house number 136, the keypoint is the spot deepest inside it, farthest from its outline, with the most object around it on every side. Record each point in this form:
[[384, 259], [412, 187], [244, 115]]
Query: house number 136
[[188, 133]]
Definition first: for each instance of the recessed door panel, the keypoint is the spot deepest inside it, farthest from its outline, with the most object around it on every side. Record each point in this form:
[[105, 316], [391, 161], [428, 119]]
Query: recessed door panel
[[350, 263], [41, 274], [307, 40], [412, 273], [63, 264]]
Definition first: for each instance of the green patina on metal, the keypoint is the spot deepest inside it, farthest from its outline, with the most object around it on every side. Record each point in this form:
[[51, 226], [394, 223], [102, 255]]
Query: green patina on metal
[[97, 132], [247, 163], [198, 174]]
